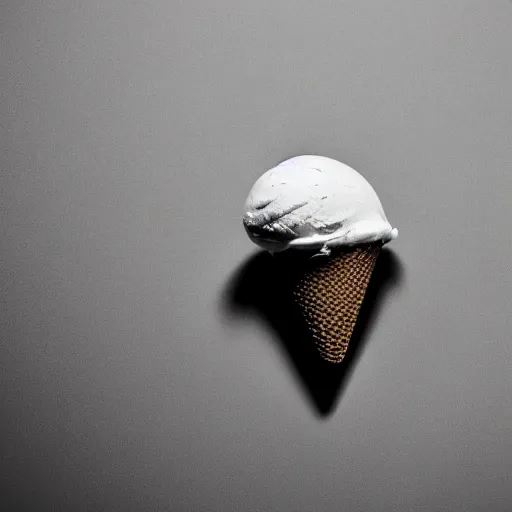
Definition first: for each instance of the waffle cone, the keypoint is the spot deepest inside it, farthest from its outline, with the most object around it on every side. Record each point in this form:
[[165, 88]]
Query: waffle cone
[[329, 293]]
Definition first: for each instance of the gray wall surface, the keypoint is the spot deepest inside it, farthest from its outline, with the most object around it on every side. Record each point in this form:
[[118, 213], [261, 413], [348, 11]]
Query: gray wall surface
[[141, 365]]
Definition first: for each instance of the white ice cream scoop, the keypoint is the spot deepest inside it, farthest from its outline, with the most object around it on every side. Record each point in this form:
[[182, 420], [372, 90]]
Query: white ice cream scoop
[[314, 203]]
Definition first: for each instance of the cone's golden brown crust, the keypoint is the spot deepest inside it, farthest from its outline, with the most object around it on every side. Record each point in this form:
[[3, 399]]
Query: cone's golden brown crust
[[330, 292]]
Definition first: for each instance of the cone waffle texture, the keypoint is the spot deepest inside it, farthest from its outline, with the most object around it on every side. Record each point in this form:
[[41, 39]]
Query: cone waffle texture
[[330, 292]]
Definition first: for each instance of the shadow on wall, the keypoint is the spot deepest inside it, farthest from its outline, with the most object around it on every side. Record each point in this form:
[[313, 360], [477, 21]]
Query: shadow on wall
[[263, 285]]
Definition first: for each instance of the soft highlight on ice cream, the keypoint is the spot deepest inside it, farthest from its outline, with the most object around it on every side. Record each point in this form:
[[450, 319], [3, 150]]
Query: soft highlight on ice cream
[[314, 203]]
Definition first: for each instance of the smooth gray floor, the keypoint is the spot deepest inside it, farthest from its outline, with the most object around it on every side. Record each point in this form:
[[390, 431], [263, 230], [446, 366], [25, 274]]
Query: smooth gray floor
[[141, 368]]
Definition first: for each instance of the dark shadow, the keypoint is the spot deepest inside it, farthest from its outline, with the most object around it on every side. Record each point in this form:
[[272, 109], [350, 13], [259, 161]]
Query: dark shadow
[[263, 284]]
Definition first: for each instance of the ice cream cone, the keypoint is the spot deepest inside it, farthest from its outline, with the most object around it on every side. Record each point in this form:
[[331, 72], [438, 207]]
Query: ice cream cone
[[311, 204], [329, 293]]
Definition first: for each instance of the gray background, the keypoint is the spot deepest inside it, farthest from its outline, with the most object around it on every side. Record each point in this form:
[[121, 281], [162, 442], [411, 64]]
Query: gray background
[[136, 372]]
